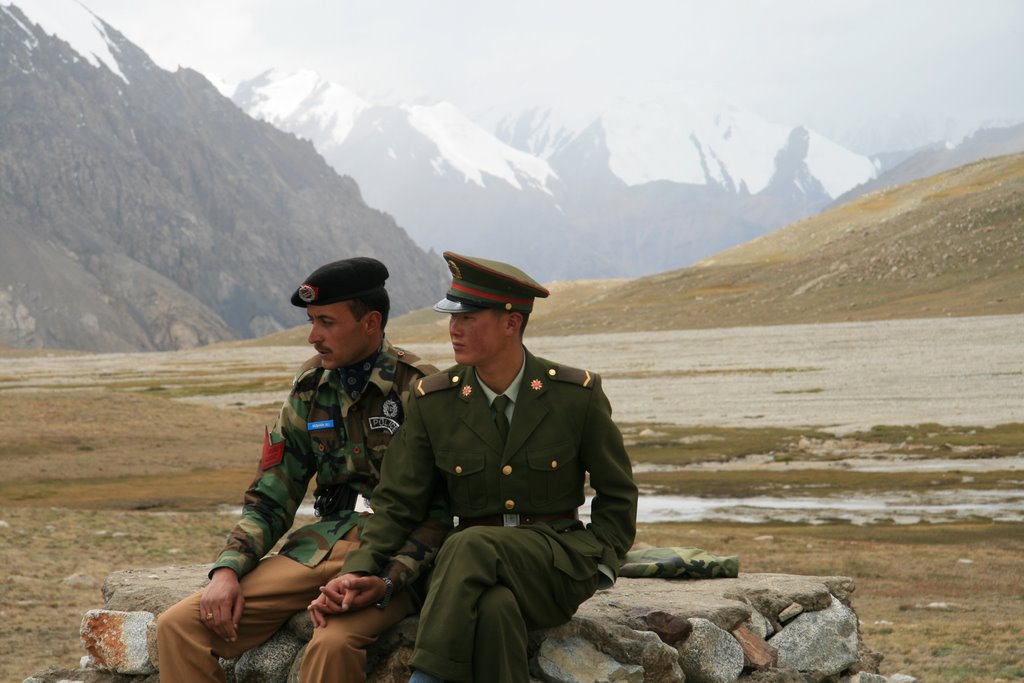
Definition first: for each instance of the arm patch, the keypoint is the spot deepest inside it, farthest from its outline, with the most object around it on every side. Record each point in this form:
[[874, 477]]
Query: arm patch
[[273, 454]]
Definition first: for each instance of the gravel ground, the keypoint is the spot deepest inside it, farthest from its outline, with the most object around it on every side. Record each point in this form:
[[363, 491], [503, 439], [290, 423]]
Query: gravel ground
[[837, 376]]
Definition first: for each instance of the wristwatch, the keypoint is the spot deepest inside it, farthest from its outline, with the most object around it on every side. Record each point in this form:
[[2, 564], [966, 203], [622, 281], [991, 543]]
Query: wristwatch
[[389, 589]]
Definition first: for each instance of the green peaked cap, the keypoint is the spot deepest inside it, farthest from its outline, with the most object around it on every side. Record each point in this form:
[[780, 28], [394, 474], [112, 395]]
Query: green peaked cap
[[481, 283]]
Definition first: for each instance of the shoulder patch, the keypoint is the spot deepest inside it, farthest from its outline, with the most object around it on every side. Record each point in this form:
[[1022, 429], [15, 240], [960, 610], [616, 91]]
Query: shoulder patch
[[435, 382], [308, 376], [563, 373]]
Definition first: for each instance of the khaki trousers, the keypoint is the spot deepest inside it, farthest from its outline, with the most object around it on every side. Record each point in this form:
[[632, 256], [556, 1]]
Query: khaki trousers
[[275, 590]]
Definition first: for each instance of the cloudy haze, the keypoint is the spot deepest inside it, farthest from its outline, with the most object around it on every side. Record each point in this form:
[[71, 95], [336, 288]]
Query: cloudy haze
[[837, 66]]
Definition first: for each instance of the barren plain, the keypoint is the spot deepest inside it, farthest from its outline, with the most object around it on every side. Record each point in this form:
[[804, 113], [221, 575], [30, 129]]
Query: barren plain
[[118, 460]]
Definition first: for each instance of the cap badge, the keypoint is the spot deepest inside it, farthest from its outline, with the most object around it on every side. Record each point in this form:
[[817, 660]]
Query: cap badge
[[308, 293], [536, 385], [467, 390], [454, 267]]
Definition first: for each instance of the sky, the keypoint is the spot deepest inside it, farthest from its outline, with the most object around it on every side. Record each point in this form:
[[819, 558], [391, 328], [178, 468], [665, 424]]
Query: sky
[[835, 65]]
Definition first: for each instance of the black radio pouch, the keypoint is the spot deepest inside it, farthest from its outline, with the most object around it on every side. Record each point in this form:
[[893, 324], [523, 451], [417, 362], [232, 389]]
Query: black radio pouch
[[328, 500]]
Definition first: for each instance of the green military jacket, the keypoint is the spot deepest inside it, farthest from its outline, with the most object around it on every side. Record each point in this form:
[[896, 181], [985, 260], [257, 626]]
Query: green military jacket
[[322, 431], [449, 447]]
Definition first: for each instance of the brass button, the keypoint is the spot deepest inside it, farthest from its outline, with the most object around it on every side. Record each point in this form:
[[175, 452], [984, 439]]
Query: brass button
[[552, 372], [554, 464], [455, 379], [356, 450], [510, 504], [458, 469], [507, 469], [321, 447]]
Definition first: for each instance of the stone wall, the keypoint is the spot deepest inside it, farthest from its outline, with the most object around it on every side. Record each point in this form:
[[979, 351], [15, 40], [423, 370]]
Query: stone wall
[[757, 628]]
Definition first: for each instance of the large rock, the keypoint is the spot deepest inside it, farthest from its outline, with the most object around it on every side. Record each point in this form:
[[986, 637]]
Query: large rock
[[117, 641], [152, 590], [826, 641], [585, 650], [710, 655]]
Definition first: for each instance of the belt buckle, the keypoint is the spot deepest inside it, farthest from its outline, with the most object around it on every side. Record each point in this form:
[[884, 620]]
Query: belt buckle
[[510, 520]]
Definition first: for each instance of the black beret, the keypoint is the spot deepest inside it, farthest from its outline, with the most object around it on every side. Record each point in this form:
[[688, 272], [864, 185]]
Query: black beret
[[342, 280]]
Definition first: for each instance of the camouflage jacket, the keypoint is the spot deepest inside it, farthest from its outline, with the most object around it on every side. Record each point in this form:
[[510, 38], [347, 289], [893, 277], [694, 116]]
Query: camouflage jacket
[[321, 431]]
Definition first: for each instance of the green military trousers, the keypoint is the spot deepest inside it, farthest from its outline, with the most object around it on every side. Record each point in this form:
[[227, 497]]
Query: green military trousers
[[489, 587]]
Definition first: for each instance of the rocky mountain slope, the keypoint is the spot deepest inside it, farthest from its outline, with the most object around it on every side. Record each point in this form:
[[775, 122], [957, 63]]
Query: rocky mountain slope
[[140, 209]]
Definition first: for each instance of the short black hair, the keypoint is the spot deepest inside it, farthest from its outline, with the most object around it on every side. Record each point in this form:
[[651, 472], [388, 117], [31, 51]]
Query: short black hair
[[377, 300]]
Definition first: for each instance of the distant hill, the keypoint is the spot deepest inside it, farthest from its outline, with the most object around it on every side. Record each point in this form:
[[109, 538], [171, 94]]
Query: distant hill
[[948, 245], [983, 144], [140, 209]]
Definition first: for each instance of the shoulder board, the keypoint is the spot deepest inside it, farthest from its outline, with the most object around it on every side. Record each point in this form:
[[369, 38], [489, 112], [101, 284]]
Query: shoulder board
[[435, 382], [415, 361], [563, 373]]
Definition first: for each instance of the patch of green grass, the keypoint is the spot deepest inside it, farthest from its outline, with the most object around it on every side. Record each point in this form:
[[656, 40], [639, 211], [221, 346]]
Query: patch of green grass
[[1000, 441], [175, 491], [216, 388], [670, 444], [816, 482], [676, 445]]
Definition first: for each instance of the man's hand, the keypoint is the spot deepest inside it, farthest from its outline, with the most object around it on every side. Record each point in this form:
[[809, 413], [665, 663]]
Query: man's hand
[[346, 593], [221, 604]]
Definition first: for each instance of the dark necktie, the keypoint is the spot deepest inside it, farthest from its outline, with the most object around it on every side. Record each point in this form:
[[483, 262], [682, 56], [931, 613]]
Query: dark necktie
[[500, 420]]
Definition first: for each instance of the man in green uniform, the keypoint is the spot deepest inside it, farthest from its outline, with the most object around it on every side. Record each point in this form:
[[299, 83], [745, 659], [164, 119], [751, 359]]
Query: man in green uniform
[[345, 405], [508, 438]]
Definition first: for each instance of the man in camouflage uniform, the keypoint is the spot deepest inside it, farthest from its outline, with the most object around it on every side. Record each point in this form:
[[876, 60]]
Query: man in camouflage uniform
[[508, 438], [344, 407]]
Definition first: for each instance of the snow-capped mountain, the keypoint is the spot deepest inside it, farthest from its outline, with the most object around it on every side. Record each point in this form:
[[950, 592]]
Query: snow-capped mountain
[[449, 182], [302, 103], [663, 132], [83, 31], [327, 113], [609, 191]]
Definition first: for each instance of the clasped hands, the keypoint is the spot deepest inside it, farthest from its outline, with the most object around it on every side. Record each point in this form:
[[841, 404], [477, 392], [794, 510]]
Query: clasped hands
[[344, 594]]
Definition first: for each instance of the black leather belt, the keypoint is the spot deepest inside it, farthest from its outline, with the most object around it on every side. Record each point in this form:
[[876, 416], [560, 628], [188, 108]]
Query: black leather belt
[[516, 519]]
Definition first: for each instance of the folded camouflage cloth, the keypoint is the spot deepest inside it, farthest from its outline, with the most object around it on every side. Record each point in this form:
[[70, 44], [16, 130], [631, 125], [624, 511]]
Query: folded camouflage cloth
[[678, 563]]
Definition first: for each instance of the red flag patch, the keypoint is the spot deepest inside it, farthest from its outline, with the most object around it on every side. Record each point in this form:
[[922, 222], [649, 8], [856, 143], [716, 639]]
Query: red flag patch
[[272, 454]]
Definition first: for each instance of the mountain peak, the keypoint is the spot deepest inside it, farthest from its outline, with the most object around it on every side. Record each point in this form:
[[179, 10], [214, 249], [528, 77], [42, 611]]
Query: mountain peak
[[71, 22], [473, 151], [302, 102]]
